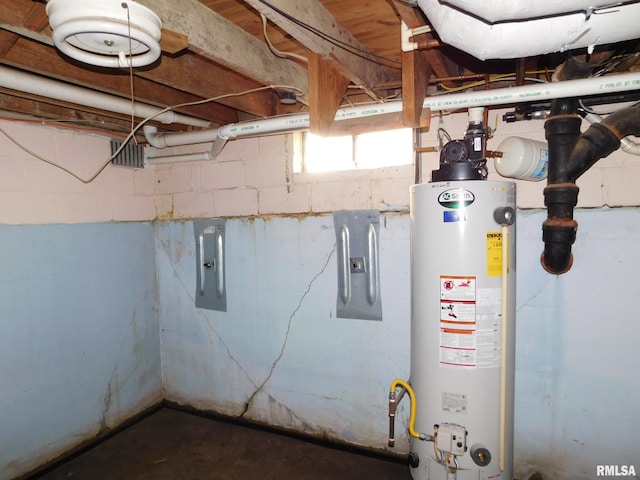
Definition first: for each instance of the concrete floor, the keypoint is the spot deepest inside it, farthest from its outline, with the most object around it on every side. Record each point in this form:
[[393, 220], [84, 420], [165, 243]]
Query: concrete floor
[[171, 444]]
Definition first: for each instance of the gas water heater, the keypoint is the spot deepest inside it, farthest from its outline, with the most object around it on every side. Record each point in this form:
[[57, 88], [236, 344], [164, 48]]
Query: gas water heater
[[462, 320]]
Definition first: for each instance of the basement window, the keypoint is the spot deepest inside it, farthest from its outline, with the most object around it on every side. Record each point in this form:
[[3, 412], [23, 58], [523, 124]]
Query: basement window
[[314, 154]]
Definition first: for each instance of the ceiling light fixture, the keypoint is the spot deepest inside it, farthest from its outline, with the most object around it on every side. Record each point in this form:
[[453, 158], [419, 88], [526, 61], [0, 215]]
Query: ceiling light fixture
[[105, 33], [287, 97]]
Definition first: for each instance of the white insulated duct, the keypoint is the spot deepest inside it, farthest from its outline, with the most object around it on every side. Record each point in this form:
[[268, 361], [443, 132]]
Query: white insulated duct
[[28, 83], [498, 11], [523, 28]]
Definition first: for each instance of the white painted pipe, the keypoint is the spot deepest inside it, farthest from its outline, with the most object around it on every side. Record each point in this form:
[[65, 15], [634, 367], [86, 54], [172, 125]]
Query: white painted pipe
[[582, 87], [163, 140], [158, 140], [33, 84], [185, 157], [452, 101], [504, 343]]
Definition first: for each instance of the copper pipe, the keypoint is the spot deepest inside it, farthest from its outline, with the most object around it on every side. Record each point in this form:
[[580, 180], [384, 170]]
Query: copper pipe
[[425, 150], [455, 78], [427, 44]]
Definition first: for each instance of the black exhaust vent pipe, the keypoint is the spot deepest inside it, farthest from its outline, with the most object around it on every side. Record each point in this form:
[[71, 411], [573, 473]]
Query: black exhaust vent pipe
[[570, 155]]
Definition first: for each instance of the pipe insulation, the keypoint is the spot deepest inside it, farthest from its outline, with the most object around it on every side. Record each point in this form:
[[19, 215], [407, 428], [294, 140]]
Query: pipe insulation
[[509, 10], [514, 29], [453, 101], [45, 87]]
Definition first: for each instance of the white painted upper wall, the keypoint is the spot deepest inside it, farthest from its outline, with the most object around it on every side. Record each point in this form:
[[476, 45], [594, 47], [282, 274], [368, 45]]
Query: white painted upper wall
[[250, 177], [255, 177], [33, 192]]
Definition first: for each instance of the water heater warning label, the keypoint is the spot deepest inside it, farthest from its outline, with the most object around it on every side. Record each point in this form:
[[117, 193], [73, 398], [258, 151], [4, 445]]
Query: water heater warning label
[[470, 323], [458, 338]]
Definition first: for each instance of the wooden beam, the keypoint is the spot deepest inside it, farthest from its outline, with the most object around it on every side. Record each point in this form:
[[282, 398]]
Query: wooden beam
[[375, 123], [24, 17], [36, 19], [55, 111], [356, 67], [7, 41], [173, 42], [413, 17], [416, 71], [184, 72], [326, 90], [44, 60], [201, 77], [216, 38]]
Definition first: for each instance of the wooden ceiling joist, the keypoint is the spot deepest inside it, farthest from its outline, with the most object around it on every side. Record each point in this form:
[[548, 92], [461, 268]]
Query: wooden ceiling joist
[[216, 38], [414, 18], [416, 71], [327, 87], [331, 67], [184, 72], [43, 59], [355, 66], [53, 111]]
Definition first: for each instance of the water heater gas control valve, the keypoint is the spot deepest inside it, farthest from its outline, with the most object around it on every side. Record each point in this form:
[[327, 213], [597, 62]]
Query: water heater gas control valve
[[451, 438]]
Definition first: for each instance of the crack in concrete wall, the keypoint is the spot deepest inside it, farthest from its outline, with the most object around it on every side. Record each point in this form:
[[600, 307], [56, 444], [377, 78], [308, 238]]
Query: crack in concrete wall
[[249, 401], [166, 247]]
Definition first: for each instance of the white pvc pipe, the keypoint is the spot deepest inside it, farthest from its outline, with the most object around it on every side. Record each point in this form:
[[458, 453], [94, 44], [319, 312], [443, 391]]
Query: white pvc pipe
[[157, 140], [453, 101], [185, 157], [539, 91], [629, 146], [163, 140], [504, 342], [26, 82]]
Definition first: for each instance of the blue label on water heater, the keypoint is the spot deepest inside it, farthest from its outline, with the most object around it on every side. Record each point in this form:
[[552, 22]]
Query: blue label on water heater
[[454, 216]]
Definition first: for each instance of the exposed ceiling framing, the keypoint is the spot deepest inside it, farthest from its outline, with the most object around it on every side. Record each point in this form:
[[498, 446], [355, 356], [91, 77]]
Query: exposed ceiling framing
[[336, 53]]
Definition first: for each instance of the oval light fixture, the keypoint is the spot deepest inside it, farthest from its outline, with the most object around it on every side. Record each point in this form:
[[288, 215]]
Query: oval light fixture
[[105, 33]]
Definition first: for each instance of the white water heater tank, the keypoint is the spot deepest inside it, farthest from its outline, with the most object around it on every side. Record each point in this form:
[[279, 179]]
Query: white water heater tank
[[462, 329]]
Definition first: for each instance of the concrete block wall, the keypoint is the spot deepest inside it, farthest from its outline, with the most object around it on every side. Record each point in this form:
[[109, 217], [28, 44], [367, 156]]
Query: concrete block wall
[[555, 373], [34, 192], [255, 177], [80, 348], [250, 177]]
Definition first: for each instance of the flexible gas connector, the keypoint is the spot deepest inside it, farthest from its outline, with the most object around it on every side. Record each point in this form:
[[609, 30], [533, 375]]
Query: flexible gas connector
[[393, 404]]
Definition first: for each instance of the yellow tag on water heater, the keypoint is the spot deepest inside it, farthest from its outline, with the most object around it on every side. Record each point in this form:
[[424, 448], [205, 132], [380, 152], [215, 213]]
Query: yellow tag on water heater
[[494, 254]]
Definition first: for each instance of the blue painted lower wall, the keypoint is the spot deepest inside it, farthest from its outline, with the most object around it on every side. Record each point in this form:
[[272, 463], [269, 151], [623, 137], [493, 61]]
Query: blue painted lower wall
[[79, 347], [280, 356], [87, 310]]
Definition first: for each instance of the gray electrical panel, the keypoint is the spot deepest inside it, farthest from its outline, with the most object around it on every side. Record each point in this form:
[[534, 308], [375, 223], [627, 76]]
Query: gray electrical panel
[[211, 292], [357, 234]]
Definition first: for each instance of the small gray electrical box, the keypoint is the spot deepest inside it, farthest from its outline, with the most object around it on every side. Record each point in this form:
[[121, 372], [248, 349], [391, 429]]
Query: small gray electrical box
[[452, 438], [357, 235], [211, 292]]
